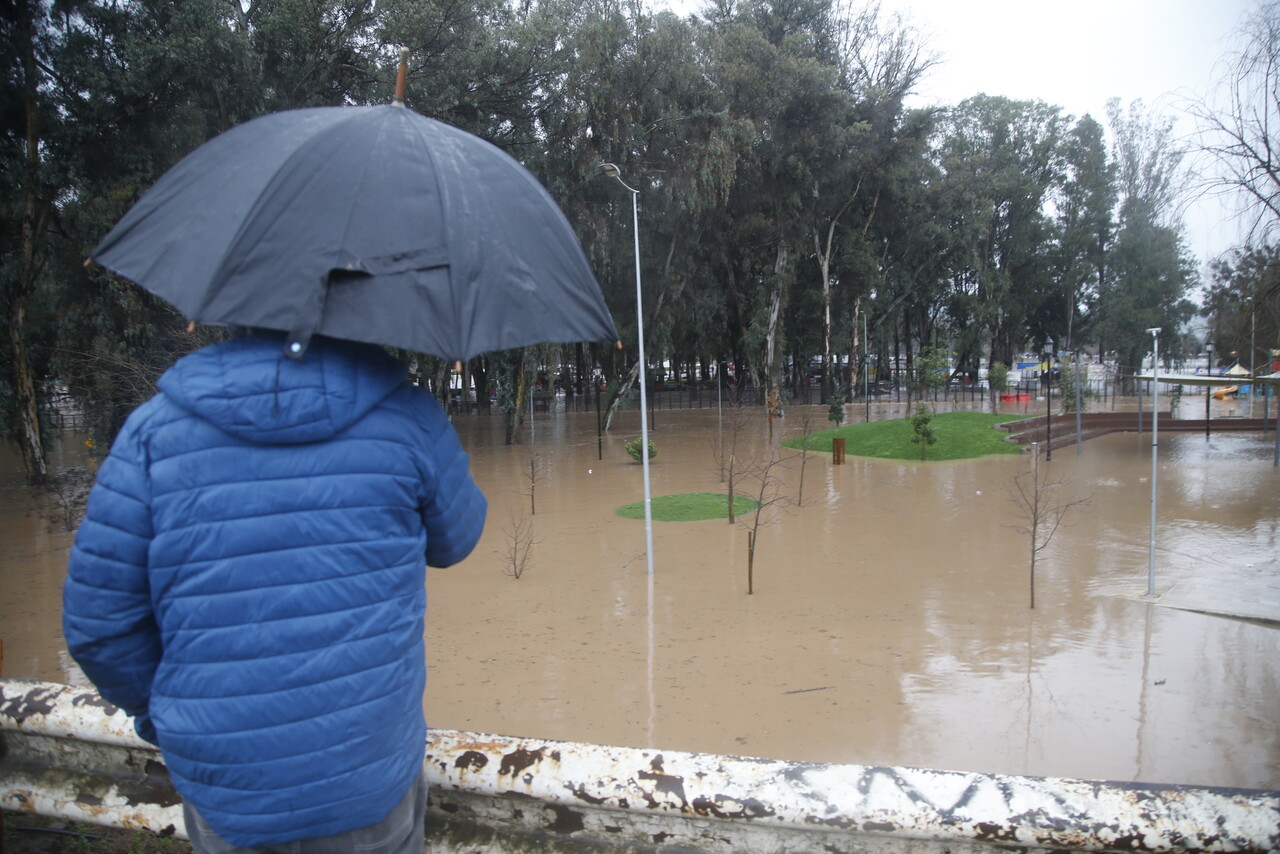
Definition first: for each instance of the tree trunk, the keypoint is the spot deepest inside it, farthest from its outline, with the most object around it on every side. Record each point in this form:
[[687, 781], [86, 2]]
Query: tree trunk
[[634, 372], [621, 394], [440, 384], [732, 518], [776, 301], [824, 265], [34, 214], [515, 418], [857, 347]]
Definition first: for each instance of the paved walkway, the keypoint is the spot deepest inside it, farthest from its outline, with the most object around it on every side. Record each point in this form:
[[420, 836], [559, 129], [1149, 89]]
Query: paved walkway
[[1246, 597]]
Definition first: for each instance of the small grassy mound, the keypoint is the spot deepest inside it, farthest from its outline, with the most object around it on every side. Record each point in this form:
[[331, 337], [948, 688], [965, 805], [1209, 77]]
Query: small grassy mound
[[961, 435], [688, 507]]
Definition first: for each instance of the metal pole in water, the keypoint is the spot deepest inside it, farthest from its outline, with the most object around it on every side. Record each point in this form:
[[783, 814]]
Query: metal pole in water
[[1048, 409], [1155, 455], [1079, 417], [613, 171], [1208, 390]]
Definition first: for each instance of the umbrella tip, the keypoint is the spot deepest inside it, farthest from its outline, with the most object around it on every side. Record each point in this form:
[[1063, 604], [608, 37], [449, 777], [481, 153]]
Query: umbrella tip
[[401, 77]]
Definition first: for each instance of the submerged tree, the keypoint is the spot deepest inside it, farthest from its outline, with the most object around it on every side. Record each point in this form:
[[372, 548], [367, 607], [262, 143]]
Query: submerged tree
[[729, 456], [806, 445], [1039, 511], [769, 498], [521, 539]]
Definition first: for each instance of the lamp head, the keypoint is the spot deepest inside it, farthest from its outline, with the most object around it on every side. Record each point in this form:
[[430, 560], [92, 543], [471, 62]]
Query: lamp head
[[611, 170], [1155, 330]]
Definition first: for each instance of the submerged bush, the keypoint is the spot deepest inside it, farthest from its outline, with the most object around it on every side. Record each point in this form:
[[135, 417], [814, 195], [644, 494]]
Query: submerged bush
[[633, 448]]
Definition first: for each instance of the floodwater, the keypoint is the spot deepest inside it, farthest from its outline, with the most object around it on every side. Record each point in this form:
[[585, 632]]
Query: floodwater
[[889, 622]]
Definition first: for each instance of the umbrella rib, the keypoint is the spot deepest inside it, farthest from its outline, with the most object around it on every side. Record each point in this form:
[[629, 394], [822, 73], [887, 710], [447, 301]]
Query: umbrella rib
[[346, 226], [442, 189], [236, 253]]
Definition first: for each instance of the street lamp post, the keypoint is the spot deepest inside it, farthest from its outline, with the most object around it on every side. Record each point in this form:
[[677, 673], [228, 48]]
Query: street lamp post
[[1155, 455], [1208, 390], [614, 172], [1079, 408], [1048, 407], [1253, 351]]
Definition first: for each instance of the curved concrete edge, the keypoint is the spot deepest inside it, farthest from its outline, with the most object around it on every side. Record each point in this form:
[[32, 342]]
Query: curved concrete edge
[[68, 753], [921, 805]]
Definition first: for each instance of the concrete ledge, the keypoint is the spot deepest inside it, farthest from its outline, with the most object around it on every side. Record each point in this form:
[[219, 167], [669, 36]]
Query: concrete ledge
[[1094, 424], [67, 753]]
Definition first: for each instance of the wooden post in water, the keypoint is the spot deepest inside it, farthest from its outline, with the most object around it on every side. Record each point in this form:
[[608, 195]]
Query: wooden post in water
[[837, 452]]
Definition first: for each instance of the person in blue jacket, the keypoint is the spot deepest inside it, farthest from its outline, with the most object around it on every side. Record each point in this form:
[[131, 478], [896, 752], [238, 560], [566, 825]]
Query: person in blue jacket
[[249, 584]]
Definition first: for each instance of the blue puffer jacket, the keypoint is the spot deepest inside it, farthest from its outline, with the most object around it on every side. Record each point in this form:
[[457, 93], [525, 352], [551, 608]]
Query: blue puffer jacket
[[248, 581]]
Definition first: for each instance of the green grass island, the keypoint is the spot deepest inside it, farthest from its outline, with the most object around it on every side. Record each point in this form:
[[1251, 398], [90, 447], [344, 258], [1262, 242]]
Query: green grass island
[[688, 507], [961, 435]]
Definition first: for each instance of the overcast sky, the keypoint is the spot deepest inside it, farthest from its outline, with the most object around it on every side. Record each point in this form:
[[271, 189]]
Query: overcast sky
[[1077, 55]]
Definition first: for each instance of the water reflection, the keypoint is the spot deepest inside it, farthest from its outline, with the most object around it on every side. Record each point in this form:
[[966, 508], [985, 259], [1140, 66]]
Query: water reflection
[[889, 624]]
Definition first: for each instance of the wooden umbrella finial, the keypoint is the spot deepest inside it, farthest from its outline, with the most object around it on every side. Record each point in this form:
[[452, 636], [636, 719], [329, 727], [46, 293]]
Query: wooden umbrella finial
[[401, 77]]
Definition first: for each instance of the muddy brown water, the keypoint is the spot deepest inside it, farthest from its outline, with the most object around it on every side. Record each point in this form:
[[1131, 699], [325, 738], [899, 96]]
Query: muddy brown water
[[889, 623]]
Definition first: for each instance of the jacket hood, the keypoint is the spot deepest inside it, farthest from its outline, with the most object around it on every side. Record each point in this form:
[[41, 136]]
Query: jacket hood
[[248, 388]]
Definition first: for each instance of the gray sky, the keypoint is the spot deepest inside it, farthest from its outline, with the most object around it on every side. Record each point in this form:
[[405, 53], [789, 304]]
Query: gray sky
[[1075, 55], [1078, 55]]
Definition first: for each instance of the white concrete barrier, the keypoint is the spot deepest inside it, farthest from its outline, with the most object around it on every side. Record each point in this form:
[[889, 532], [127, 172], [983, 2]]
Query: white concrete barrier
[[68, 753]]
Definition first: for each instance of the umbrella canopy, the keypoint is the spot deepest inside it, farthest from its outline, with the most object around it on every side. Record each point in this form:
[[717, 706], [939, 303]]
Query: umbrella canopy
[[371, 224]]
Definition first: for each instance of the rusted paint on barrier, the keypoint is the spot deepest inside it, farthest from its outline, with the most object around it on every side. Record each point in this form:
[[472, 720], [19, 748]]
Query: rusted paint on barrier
[[804, 807], [68, 753]]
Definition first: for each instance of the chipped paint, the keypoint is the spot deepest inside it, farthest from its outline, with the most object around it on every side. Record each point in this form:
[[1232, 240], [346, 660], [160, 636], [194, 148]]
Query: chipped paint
[[68, 753], [719, 803]]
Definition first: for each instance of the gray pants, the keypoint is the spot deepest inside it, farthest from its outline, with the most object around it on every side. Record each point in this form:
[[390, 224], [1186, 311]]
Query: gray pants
[[400, 832]]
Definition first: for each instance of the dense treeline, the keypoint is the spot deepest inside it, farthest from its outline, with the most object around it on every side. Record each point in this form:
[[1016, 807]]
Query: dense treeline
[[793, 205]]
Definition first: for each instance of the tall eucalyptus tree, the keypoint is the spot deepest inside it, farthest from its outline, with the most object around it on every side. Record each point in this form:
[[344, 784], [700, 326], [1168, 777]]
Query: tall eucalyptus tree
[[777, 62], [1151, 272], [1084, 207], [881, 63], [1001, 160]]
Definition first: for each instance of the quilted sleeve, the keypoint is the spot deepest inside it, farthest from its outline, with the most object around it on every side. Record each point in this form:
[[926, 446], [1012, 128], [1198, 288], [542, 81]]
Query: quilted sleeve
[[106, 603], [454, 511]]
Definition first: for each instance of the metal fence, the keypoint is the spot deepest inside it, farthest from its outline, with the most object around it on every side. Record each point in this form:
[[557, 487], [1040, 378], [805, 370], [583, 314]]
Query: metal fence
[[1101, 391]]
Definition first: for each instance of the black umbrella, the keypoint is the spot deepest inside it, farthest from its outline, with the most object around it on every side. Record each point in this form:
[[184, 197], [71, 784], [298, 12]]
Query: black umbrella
[[371, 224]]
